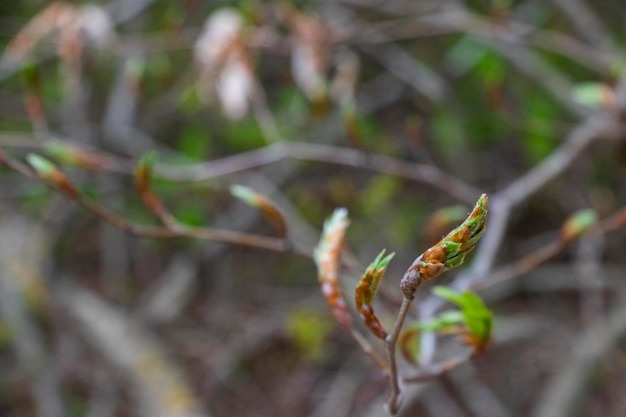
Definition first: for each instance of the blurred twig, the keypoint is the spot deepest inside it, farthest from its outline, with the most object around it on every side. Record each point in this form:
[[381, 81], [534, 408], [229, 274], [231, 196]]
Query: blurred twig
[[565, 390], [159, 388], [22, 259]]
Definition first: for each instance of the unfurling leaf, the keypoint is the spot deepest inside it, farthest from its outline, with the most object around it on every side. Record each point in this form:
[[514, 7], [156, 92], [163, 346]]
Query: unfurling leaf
[[71, 155], [49, 172], [409, 343], [476, 316], [327, 257], [268, 209], [366, 290], [593, 94], [449, 252], [143, 179], [577, 224], [444, 321]]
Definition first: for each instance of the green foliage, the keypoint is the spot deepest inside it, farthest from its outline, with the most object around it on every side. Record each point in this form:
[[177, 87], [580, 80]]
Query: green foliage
[[377, 195], [195, 142], [309, 331], [448, 133], [41, 165], [475, 315], [540, 138], [443, 321], [245, 135]]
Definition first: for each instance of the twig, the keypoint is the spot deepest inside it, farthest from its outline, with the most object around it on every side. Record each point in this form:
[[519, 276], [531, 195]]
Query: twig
[[322, 153], [225, 236], [133, 350], [23, 240], [454, 393], [578, 140], [548, 251], [564, 391], [423, 173], [586, 23], [367, 347], [432, 371], [390, 344]]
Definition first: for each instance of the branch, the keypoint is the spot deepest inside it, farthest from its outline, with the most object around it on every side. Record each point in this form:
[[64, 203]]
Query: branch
[[565, 390], [390, 345], [108, 216], [423, 173]]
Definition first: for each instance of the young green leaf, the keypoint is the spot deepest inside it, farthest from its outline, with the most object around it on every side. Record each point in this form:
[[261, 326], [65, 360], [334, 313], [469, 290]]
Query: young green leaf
[[71, 155], [593, 94], [268, 209], [577, 224], [366, 290], [443, 321], [449, 252], [475, 315], [327, 256], [49, 172]]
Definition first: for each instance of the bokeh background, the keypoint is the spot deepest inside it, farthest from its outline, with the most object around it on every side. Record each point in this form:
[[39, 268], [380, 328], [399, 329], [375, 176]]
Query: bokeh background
[[401, 111]]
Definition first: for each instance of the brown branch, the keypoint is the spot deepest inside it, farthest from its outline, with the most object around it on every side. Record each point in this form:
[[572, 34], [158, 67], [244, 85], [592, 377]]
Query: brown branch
[[566, 389], [224, 236], [421, 173], [436, 370], [367, 347], [390, 345], [548, 251]]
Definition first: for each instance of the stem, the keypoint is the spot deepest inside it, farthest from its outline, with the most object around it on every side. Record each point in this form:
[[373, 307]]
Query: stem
[[390, 344], [367, 347], [119, 222], [436, 370]]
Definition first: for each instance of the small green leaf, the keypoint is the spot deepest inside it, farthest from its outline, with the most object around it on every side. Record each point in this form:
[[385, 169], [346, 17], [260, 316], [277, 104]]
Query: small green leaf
[[41, 165], [476, 315], [148, 159], [245, 194], [443, 321], [591, 94], [578, 223], [447, 294]]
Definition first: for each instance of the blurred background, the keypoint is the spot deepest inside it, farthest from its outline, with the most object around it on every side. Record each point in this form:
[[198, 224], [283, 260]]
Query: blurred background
[[404, 112]]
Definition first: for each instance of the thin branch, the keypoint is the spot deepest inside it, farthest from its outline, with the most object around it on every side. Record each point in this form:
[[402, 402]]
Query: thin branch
[[433, 371], [390, 344], [413, 171], [367, 347], [578, 140], [224, 236], [566, 389], [586, 23], [548, 251], [423, 173]]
